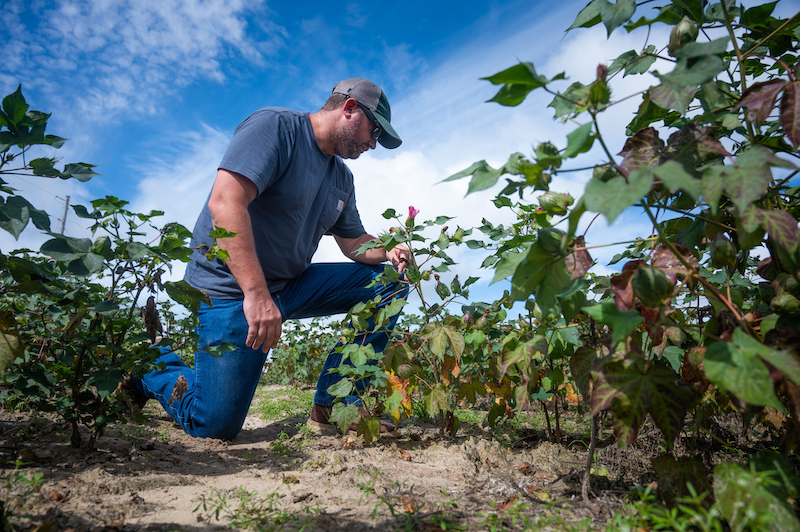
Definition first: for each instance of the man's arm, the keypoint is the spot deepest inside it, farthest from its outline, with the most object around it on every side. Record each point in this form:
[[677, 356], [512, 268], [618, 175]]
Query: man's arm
[[231, 195], [398, 255]]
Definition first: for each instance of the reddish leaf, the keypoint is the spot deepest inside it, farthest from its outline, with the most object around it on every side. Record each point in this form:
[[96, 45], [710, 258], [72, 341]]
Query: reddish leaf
[[693, 145], [781, 227], [621, 285], [578, 262], [760, 99], [631, 388], [790, 112], [641, 150], [671, 265]]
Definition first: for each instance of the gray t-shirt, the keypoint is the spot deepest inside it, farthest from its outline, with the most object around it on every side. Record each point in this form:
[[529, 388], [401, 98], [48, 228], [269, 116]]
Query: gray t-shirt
[[303, 194]]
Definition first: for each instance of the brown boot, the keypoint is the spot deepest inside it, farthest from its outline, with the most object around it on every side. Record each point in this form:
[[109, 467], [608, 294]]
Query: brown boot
[[320, 422]]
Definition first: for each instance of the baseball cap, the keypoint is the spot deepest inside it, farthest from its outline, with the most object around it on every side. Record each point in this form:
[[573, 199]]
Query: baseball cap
[[372, 97]]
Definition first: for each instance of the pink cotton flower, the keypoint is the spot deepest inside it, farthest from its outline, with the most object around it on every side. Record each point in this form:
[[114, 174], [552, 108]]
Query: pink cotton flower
[[412, 212]]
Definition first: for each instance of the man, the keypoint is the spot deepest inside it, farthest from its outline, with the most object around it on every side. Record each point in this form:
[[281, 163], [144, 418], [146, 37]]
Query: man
[[280, 187]]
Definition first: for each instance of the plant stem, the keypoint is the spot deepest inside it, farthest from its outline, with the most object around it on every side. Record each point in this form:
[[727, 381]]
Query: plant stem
[[589, 461]]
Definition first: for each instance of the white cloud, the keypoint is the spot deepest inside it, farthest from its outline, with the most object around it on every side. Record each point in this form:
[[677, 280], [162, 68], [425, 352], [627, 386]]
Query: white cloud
[[127, 53]]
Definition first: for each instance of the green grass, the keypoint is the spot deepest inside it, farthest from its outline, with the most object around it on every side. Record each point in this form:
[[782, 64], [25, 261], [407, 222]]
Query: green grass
[[276, 404]]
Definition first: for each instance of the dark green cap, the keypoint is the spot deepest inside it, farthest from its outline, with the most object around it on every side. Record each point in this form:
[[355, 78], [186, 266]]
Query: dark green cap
[[372, 97]]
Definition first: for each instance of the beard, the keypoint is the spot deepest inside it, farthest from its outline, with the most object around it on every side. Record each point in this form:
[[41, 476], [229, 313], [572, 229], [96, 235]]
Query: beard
[[343, 137]]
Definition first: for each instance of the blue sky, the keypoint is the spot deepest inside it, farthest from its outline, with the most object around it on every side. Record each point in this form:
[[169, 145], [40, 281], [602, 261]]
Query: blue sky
[[152, 90]]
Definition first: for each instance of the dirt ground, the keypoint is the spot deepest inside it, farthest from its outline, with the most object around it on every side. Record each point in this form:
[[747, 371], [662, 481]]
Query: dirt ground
[[276, 475]]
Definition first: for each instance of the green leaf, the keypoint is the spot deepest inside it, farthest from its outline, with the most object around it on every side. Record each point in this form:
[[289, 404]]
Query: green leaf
[[745, 501], [574, 99], [484, 176], [54, 141], [44, 167], [556, 279], [579, 141], [668, 14], [751, 176], [344, 416], [217, 351], [530, 272], [105, 381], [108, 308], [518, 81], [80, 171], [369, 428], [581, 364], [671, 95], [617, 194], [642, 63], [673, 476], [698, 62], [784, 361], [470, 390], [10, 346], [435, 400], [621, 322], [615, 15], [137, 250], [440, 337], [736, 367], [572, 299], [589, 15], [14, 106], [185, 294], [711, 185], [674, 177], [507, 265], [341, 388], [648, 113], [66, 249]]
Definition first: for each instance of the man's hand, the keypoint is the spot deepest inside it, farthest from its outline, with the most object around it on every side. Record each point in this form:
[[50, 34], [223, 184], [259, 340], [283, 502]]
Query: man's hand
[[263, 320], [400, 257]]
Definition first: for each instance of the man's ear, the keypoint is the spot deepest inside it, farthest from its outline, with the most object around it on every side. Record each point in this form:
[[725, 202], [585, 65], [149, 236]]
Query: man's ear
[[349, 107]]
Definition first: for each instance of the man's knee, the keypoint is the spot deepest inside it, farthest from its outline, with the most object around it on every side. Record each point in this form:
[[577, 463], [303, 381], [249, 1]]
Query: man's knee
[[222, 429]]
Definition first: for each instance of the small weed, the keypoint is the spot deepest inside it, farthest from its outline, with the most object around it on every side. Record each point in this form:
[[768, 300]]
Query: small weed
[[284, 445], [250, 456], [246, 510], [16, 490], [271, 404], [690, 513]]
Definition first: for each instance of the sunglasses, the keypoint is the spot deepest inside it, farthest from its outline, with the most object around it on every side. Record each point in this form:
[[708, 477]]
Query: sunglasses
[[378, 131]]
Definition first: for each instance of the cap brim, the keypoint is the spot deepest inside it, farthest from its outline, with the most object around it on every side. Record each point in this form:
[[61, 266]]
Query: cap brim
[[389, 139]]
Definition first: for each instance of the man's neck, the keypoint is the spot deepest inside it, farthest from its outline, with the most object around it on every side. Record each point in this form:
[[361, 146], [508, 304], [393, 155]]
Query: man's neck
[[322, 124]]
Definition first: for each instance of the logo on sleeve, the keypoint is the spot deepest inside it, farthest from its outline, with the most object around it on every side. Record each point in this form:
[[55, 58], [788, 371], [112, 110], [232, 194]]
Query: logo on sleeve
[[340, 206]]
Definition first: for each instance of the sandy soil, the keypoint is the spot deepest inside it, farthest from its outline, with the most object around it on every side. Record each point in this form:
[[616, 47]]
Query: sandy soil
[[154, 477]]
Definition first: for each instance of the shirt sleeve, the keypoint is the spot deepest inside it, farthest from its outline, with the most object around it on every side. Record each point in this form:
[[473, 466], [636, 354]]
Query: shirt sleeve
[[260, 149]]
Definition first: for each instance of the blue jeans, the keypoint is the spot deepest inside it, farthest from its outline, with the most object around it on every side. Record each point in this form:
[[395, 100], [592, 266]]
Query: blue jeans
[[220, 389]]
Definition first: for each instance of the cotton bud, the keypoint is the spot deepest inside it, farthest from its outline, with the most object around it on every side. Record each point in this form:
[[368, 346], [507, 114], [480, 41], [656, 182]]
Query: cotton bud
[[550, 239], [723, 252], [555, 202], [442, 289], [455, 286], [651, 286], [684, 32], [467, 319]]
